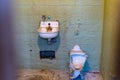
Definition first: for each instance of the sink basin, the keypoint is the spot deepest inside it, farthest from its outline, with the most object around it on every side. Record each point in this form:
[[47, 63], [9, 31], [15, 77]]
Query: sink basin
[[44, 31]]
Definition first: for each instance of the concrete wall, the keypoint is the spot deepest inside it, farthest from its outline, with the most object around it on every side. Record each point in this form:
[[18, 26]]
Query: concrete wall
[[80, 23], [110, 54]]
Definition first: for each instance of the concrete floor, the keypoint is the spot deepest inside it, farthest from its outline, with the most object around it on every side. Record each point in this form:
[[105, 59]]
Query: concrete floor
[[51, 75], [93, 76], [42, 75]]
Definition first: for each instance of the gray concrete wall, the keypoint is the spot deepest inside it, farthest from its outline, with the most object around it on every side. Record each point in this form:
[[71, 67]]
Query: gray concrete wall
[[80, 23]]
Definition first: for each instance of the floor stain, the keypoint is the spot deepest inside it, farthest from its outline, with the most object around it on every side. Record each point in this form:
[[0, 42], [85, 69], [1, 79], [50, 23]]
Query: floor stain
[[43, 74]]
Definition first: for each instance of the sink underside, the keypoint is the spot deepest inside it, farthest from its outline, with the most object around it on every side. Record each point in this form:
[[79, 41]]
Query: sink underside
[[48, 35]]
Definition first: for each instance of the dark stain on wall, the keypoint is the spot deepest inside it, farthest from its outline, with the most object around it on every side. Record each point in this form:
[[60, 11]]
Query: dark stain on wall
[[86, 67], [43, 44]]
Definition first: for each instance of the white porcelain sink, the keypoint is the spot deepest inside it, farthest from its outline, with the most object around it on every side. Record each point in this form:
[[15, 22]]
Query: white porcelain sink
[[48, 29]]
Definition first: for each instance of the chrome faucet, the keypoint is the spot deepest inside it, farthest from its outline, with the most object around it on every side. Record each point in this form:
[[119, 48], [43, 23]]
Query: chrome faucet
[[43, 17]]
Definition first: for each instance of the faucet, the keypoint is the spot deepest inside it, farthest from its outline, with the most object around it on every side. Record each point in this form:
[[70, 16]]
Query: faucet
[[43, 17], [49, 17]]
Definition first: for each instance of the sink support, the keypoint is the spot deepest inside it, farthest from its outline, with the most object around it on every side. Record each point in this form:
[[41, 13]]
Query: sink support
[[49, 40]]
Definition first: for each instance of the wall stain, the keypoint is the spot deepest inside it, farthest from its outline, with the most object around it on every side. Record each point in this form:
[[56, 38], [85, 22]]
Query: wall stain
[[78, 25]]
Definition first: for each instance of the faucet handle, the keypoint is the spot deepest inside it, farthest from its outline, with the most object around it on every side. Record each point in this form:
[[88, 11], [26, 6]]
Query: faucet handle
[[43, 17], [49, 17]]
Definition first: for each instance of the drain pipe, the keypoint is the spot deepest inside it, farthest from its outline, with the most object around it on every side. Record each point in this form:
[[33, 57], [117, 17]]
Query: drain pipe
[[49, 41]]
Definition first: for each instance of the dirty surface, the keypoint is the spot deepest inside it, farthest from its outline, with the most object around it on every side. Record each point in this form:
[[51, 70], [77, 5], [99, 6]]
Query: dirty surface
[[42, 75], [80, 23], [51, 75]]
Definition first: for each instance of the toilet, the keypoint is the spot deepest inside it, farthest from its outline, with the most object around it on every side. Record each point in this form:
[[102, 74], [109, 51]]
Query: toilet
[[77, 60]]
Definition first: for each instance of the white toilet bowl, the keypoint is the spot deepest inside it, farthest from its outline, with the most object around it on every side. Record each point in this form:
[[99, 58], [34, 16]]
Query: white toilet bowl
[[78, 57]]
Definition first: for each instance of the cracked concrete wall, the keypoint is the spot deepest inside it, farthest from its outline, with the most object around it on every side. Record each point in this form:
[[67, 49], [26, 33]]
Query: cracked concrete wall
[[80, 23]]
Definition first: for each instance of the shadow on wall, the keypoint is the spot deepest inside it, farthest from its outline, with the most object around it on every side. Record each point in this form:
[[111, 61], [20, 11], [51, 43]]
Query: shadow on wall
[[86, 67], [44, 46]]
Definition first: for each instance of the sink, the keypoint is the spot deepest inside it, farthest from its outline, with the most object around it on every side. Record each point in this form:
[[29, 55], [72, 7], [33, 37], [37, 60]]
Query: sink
[[48, 29]]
